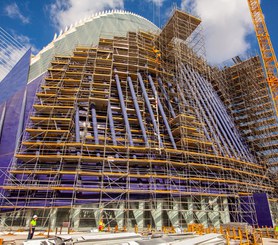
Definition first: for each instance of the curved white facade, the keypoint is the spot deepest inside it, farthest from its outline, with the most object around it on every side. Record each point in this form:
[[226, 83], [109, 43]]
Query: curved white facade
[[87, 32]]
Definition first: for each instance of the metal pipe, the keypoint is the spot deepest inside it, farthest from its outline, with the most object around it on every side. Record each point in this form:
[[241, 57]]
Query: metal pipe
[[222, 119], [207, 116], [225, 120], [146, 98], [122, 102], [111, 123], [217, 116], [3, 114], [232, 128], [166, 97], [213, 117], [160, 107], [21, 120], [94, 122], [138, 113], [77, 128]]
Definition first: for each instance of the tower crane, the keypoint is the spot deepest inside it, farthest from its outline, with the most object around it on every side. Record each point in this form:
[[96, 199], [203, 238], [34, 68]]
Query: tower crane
[[267, 52]]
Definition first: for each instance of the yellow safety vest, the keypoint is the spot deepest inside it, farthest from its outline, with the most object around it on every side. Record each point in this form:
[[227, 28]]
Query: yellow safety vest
[[156, 51], [33, 222]]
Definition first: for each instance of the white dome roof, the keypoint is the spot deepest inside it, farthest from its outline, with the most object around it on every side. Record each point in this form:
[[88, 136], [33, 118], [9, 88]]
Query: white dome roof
[[87, 32]]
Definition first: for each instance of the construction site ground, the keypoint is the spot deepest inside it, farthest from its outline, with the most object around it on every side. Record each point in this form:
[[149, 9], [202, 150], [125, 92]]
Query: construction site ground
[[120, 238]]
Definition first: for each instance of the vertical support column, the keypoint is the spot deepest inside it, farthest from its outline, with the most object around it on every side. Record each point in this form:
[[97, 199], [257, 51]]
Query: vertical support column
[[137, 109], [214, 214], [120, 215], [53, 218], [76, 218], [157, 215], [21, 120], [111, 123], [3, 218], [174, 214], [146, 98], [3, 114], [97, 214], [122, 102], [77, 129], [225, 215], [204, 219], [190, 216], [162, 113], [94, 122], [139, 215], [28, 215]]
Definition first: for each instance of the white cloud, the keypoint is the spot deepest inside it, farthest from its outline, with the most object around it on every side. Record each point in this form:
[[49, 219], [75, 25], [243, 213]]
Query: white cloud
[[67, 12], [13, 12], [26, 42], [227, 23]]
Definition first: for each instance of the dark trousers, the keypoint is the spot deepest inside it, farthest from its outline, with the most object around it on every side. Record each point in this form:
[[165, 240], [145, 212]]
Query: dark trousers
[[31, 233]]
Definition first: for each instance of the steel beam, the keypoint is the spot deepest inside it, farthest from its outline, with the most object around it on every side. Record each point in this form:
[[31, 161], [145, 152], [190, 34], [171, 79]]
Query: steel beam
[[138, 113], [225, 119], [146, 98], [166, 97], [94, 122], [212, 115], [77, 128], [122, 102], [160, 107], [212, 111], [111, 123], [207, 116]]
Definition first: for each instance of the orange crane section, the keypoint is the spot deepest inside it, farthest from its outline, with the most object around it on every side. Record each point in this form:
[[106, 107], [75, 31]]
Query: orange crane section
[[266, 48]]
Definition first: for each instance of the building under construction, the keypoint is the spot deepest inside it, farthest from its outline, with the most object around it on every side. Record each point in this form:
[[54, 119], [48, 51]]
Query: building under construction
[[119, 120]]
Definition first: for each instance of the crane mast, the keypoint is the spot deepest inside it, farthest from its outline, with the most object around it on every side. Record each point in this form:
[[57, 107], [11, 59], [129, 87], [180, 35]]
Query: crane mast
[[266, 48]]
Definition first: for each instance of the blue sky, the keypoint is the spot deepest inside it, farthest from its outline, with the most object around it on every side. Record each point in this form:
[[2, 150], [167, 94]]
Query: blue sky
[[228, 29]]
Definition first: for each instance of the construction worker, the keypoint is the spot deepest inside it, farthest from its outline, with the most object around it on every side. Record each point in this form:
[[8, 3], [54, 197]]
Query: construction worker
[[100, 225], [32, 227], [157, 54]]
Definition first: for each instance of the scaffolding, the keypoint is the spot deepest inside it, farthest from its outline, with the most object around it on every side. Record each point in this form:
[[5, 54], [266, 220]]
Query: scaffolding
[[246, 95], [122, 134]]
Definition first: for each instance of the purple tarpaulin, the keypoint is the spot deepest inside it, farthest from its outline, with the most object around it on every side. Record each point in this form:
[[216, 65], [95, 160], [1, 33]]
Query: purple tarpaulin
[[8, 138], [262, 209]]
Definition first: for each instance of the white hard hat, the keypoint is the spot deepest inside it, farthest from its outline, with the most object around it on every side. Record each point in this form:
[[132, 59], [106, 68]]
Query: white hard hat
[[35, 216]]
